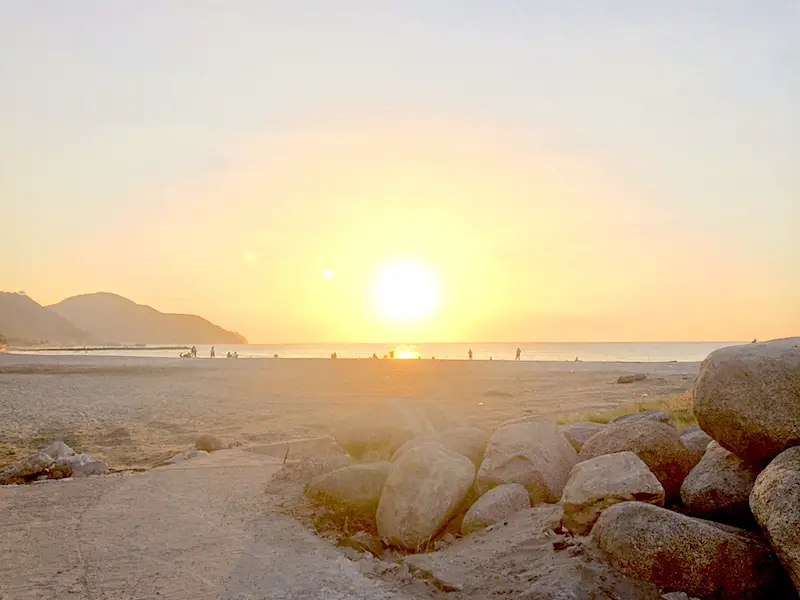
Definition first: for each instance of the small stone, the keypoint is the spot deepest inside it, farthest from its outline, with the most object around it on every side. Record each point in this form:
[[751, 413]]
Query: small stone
[[58, 450], [631, 378], [81, 465], [363, 542], [26, 468], [208, 442]]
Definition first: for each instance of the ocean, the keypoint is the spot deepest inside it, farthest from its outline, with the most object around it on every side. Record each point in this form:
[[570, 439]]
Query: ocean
[[555, 351]]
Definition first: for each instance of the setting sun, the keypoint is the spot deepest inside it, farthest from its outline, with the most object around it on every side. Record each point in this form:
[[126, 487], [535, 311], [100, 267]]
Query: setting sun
[[406, 291]]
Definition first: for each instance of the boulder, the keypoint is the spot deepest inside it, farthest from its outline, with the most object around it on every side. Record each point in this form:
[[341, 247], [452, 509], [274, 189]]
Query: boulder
[[747, 398], [657, 444], [775, 502], [80, 465], [466, 440], [719, 486], [631, 378], [603, 481], [26, 468], [646, 415], [425, 488], [578, 434], [498, 504], [380, 429], [534, 454], [58, 450], [356, 488], [207, 442], [680, 553], [696, 441]]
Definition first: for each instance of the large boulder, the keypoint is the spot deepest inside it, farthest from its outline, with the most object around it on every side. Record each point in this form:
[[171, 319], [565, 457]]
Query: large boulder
[[696, 441], [467, 440], [680, 553], [600, 482], [378, 430], [661, 416], [534, 454], [656, 443], [775, 502], [579, 433], [498, 504], [425, 488], [26, 468], [719, 486], [355, 488], [747, 398]]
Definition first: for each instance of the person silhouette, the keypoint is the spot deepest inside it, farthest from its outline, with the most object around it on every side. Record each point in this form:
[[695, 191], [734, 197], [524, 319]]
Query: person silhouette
[[194, 352], [470, 353], [213, 353], [519, 353]]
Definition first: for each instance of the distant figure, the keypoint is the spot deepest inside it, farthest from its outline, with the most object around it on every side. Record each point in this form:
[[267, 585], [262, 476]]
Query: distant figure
[[213, 353], [375, 356], [391, 353], [754, 341], [490, 358], [229, 355], [470, 353], [519, 353], [194, 352], [235, 355], [333, 355], [576, 359]]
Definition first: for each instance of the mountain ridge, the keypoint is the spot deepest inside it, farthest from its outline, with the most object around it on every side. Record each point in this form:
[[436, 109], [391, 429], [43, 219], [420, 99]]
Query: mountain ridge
[[25, 321], [109, 317]]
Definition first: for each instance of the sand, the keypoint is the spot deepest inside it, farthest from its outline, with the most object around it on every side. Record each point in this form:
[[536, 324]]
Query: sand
[[137, 412]]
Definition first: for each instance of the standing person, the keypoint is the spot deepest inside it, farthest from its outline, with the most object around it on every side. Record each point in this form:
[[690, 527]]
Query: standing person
[[519, 353], [213, 354], [194, 352], [470, 353]]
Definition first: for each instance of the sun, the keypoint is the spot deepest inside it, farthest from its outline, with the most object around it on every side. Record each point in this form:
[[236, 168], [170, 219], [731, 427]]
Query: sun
[[406, 291]]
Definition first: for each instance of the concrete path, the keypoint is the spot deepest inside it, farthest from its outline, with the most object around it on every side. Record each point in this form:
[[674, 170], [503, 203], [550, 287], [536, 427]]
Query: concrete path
[[200, 530]]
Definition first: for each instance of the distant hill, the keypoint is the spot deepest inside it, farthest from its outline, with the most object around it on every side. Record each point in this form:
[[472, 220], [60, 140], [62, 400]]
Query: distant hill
[[110, 318], [23, 321]]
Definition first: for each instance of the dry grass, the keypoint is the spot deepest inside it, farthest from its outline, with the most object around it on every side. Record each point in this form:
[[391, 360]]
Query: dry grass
[[679, 407]]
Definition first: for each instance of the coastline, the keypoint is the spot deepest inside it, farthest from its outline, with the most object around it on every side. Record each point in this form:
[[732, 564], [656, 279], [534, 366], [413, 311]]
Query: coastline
[[135, 412]]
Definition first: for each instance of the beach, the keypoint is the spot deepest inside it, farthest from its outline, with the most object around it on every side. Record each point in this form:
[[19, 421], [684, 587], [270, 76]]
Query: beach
[[136, 412]]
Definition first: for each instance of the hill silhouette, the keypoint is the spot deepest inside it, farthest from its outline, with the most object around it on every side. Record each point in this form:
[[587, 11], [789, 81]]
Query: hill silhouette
[[110, 318], [24, 321]]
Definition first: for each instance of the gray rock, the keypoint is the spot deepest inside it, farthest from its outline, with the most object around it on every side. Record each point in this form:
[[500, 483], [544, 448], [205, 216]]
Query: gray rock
[[578, 434], [425, 488], [657, 444], [207, 442], [680, 553], [603, 481], [380, 429], [719, 486], [534, 454], [466, 440], [81, 465], [356, 488], [646, 415], [498, 504], [631, 378], [696, 441], [26, 468], [58, 450], [747, 398], [518, 559], [775, 502]]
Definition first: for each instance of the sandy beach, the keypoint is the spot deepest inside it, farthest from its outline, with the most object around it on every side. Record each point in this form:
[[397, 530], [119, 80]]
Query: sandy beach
[[137, 412]]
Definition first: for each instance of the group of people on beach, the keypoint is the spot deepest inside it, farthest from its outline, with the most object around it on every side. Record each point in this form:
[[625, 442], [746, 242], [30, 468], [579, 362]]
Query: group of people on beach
[[192, 353]]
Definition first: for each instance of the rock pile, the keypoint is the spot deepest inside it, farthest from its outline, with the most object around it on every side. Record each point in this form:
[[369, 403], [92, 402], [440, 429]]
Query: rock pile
[[56, 461], [646, 496]]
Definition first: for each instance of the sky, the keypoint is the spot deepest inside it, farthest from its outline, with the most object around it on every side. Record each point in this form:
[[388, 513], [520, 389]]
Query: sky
[[556, 171]]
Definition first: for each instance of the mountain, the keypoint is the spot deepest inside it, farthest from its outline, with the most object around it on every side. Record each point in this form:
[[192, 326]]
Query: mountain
[[23, 321], [110, 318]]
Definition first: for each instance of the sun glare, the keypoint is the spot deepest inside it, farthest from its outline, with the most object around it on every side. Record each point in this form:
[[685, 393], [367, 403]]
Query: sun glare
[[406, 291]]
